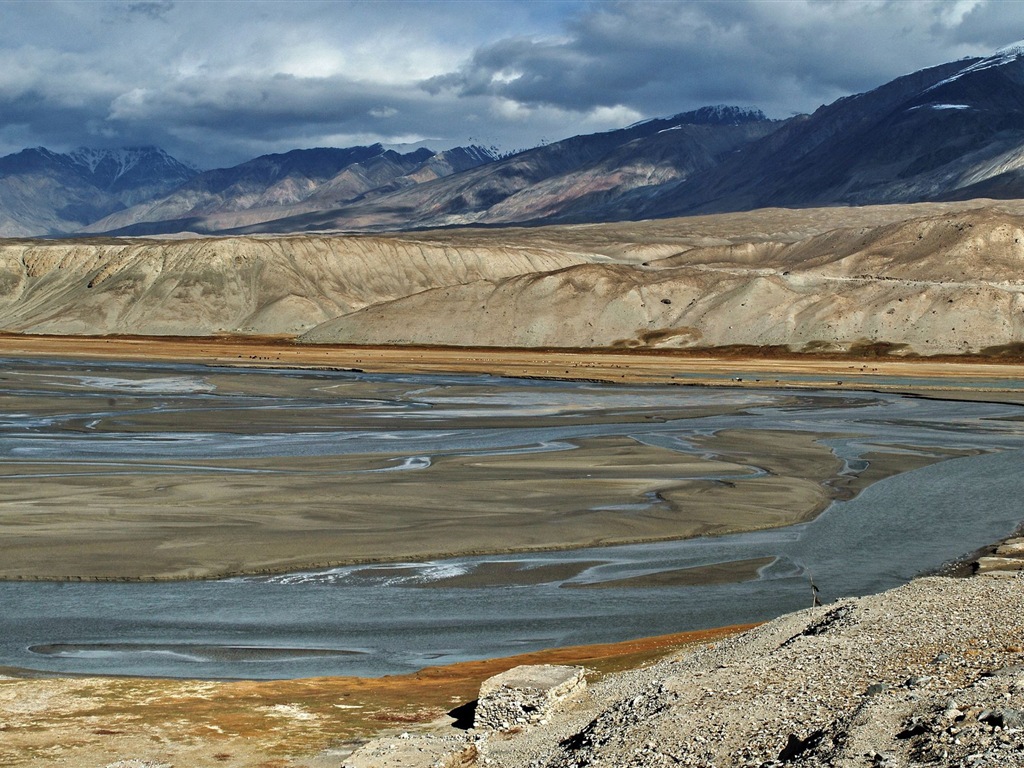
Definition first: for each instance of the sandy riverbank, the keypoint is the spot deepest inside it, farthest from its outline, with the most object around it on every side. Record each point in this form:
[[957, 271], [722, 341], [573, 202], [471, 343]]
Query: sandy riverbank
[[312, 723], [746, 367]]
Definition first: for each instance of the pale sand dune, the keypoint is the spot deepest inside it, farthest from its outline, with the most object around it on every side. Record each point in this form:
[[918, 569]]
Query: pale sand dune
[[198, 287]]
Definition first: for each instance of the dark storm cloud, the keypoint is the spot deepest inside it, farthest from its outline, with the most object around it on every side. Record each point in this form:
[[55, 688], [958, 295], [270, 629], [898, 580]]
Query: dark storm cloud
[[218, 82], [782, 56], [272, 107]]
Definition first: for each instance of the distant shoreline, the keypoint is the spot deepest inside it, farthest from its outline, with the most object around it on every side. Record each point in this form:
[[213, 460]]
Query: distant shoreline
[[970, 375]]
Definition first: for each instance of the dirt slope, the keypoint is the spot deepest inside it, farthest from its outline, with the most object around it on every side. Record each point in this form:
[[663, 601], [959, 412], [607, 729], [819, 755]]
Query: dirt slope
[[941, 284], [246, 285], [928, 674]]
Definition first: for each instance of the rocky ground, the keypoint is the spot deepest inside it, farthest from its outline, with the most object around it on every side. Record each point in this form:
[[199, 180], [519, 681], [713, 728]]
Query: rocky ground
[[930, 674]]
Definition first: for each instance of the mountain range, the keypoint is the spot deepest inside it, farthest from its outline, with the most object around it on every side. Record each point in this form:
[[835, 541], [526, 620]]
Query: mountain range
[[954, 131], [301, 181], [950, 132], [45, 193]]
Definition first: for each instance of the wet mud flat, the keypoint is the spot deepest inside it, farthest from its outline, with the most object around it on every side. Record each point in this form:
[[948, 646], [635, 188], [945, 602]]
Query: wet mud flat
[[122, 472]]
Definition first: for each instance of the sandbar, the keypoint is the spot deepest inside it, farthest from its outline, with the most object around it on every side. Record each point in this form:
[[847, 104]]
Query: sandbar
[[608, 490], [730, 572]]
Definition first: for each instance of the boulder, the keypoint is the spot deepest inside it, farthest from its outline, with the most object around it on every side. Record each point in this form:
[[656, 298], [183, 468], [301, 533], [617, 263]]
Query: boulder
[[992, 564], [1011, 548], [525, 694]]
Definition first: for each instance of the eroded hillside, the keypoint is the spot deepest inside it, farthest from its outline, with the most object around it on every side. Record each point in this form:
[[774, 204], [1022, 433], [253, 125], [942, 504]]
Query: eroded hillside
[[242, 285], [926, 279], [952, 282]]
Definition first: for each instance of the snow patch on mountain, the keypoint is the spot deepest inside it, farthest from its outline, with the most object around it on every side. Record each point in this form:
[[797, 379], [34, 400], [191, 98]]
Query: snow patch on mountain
[[91, 158], [129, 171], [1013, 49], [478, 154], [721, 114], [941, 106], [115, 163]]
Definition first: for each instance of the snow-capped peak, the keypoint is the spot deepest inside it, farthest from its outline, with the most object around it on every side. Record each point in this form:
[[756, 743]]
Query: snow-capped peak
[[720, 114], [1001, 57], [128, 167], [91, 158], [1013, 49]]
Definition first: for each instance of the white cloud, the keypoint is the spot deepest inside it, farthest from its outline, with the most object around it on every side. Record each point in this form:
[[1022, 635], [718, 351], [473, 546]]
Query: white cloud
[[955, 12], [130, 105], [311, 60], [509, 109], [607, 117]]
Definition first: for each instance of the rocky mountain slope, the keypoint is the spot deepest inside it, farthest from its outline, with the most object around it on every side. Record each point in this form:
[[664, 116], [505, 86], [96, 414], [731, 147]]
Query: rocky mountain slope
[[950, 132], [46, 193], [277, 186], [457, 186], [929, 674], [548, 181]]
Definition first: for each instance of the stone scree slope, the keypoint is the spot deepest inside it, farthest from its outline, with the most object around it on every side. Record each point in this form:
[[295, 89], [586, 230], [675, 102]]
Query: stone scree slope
[[929, 674]]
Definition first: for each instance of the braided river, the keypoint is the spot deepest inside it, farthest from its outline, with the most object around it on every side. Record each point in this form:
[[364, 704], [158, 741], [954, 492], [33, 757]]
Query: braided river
[[122, 423]]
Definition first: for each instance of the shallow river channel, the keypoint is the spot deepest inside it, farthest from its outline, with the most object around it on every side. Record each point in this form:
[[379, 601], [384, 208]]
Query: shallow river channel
[[63, 418]]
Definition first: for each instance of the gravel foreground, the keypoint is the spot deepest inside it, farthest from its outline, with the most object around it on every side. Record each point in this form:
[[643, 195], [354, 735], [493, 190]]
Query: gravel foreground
[[929, 674]]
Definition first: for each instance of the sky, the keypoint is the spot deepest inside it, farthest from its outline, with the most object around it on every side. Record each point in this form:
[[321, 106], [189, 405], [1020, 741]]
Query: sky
[[218, 82]]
